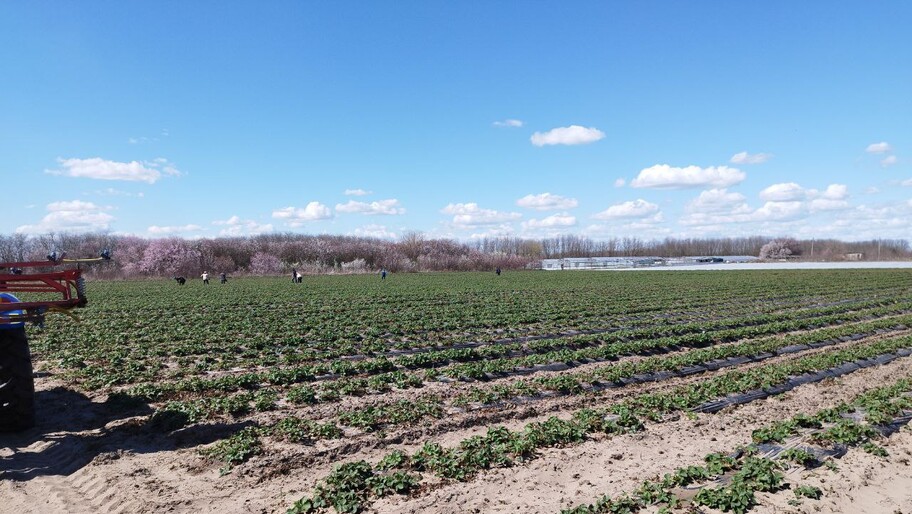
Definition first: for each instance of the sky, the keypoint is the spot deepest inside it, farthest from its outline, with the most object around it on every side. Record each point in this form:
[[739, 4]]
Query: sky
[[457, 119]]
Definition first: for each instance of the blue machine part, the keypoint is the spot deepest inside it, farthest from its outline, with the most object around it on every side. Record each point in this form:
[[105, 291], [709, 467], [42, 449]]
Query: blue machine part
[[5, 315]]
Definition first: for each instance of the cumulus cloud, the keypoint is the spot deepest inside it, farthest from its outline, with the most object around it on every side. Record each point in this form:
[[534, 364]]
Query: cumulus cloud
[[388, 207], [572, 135], [157, 230], [784, 202], [554, 221], [779, 211], [357, 192], [101, 169], [882, 147], [746, 158], [236, 227], [509, 123], [663, 176], [70, 216], [296, 216], [377, 231], [546, 202], [784, 192], [888, 161], [633, 209], [471, 215], [719, 201]]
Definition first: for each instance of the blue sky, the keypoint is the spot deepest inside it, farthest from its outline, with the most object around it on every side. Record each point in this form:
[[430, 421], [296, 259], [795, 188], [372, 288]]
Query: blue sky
[[457, 119]]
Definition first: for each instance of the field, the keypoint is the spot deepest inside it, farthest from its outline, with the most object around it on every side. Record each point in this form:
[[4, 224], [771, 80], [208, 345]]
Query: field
[[768, 391]]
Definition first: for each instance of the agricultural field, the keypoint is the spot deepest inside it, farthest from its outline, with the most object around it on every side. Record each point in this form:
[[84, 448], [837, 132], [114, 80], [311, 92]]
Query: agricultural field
[[579, 392]]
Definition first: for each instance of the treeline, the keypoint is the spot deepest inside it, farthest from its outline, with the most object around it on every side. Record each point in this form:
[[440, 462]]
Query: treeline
[[272, 254]]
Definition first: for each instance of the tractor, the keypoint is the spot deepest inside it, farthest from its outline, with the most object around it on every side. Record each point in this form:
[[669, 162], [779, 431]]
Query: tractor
[[38, 280]]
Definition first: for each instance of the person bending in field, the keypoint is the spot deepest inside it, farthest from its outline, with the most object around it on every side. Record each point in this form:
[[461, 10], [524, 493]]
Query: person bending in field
[[180, 280], [296, 278], [205, 277]]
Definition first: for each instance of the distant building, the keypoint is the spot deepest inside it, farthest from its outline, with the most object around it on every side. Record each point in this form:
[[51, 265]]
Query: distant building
[[596, 263], [854, 256]]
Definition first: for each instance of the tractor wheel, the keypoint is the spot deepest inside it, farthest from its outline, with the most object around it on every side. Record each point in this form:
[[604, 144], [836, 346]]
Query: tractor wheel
[[17, 387]]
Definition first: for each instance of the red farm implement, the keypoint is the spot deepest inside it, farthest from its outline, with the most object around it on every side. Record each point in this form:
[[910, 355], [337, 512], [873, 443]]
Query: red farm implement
[[46, 290]]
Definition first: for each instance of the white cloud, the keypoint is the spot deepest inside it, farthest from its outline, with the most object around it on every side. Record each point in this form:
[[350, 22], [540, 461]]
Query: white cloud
[[835, 192], [779, 211], [72, 216], [377, 231], [882, 147], [872, 190], [296, 217], [357, 192], [888, 161], [172, 230], [509, 123], [827, 204], [746, 158], [572, 135], [663, 176], [546, 202], [784, 192], [471, 215], [554, 221], [906, 183], [101, 169], [718, 201], [236, 227], [620, 182], [388, 207], [633, 209]]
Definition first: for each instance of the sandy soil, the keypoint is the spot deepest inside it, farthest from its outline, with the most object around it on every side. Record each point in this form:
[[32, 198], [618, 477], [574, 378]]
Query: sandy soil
[[87, 455], [863, 483], [566, 477]]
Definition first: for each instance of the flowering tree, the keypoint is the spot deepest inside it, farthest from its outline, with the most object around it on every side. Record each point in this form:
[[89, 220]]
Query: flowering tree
[[780, 249], [172, 256], [263, 263]]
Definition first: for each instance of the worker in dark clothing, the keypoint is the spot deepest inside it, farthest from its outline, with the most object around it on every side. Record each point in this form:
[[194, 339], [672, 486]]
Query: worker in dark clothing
[[223, 278], [497, 271]]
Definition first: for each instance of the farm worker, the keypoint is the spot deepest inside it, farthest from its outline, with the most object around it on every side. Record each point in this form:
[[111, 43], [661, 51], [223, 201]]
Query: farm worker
[[497, 271], [382, 274], [223, 278], [205, 276]]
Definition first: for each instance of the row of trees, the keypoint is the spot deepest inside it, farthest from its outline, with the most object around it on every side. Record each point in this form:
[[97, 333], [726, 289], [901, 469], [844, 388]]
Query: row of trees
[[270, 254]]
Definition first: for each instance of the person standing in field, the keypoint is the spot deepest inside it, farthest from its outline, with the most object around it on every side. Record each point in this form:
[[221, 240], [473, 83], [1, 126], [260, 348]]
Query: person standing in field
[[205, 277], [223, 278], [383, 274]]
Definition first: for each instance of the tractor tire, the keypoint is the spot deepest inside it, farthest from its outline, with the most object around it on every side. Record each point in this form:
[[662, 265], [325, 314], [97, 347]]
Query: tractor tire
[[17, 386]]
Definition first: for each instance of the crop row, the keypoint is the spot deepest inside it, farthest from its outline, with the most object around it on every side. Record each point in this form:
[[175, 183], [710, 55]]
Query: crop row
[[372, 417], [143, 331], [749, 473], [385, 372], [349, 486]]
